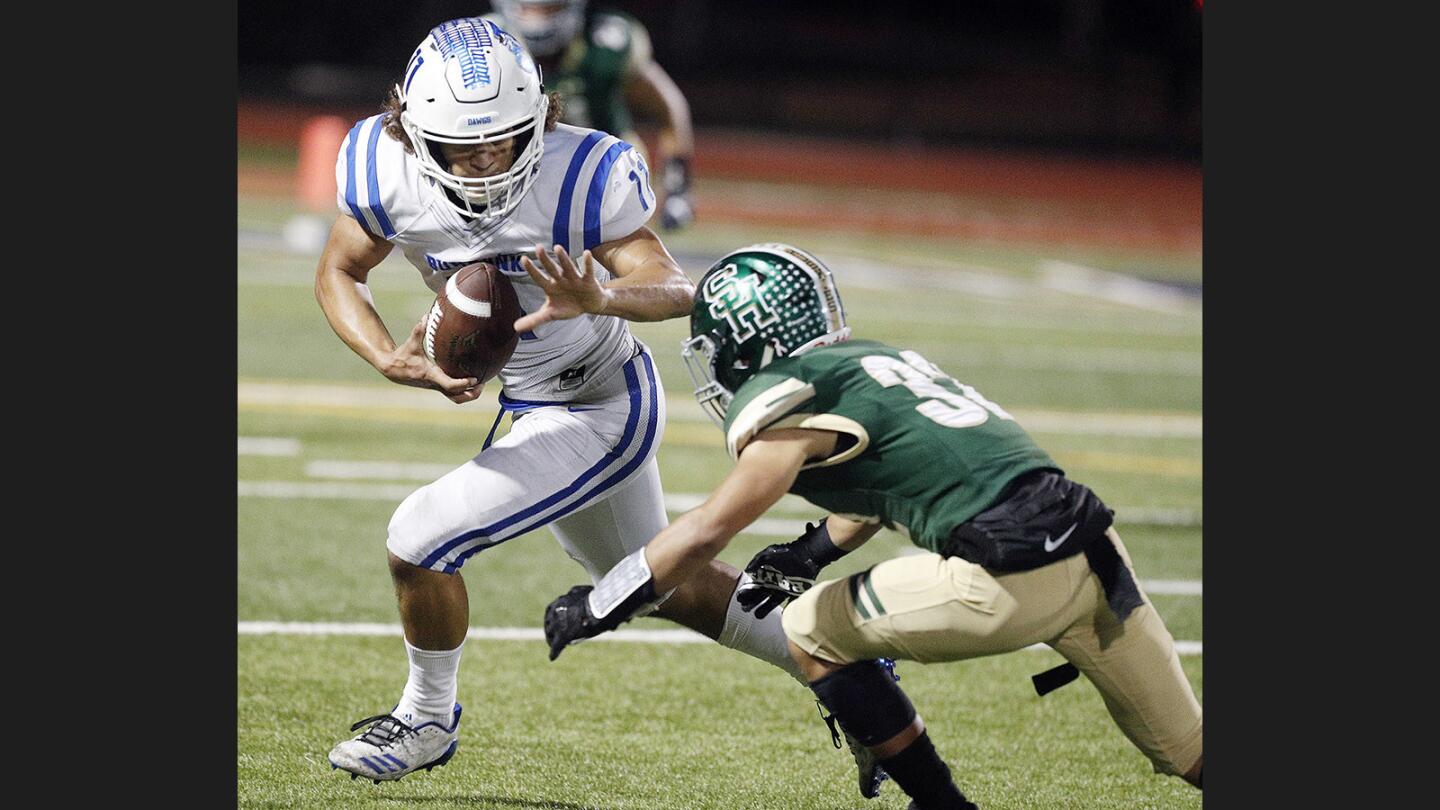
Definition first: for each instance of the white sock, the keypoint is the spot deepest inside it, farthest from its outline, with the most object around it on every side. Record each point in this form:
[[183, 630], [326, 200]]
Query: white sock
[[430, 693], [759, 638]]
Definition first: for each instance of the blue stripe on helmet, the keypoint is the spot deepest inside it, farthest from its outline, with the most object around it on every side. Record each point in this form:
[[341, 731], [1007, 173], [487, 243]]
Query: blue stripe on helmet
[[560, 233], [419, 60], [596, 194], [350, 199], [619, 475], [632, 422], [376, 207]]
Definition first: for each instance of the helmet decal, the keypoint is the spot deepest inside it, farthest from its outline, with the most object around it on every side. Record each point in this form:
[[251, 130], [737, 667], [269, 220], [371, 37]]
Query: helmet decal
[[415, 62], [738, 302], [465, 39]]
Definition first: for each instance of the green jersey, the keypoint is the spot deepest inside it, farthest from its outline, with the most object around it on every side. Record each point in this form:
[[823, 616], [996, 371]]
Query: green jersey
[[920, 451]]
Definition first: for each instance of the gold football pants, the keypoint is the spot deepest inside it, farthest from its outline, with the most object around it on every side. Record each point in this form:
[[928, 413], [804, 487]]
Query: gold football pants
[[930, 608]]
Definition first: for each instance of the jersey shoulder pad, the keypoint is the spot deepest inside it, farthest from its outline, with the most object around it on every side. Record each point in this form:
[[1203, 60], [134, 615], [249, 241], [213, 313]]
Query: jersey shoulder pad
[[763, 401], [374, 182], [794, 392], [605, 192]]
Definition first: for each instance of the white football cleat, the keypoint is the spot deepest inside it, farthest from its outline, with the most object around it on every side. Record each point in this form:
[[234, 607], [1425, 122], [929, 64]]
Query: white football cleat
[[388, 749]]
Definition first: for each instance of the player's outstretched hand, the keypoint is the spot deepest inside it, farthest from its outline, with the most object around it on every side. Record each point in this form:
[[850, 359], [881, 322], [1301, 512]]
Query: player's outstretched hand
[[778, 574], [568, 620], [570, 290], [408, 365]]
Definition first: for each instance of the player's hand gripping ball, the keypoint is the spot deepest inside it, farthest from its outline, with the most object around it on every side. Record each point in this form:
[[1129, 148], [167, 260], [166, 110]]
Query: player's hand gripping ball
[[470, 331]]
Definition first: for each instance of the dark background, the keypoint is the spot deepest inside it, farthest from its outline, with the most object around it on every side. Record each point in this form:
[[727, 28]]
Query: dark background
[[1099, 76]]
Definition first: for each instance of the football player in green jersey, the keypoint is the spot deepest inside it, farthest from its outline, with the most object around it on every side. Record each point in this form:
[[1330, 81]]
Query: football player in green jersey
[[602, 65], [1015, 553]]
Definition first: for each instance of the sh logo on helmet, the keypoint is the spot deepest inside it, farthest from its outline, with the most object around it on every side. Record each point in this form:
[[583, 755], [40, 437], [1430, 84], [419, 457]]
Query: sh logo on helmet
[[739, 303]]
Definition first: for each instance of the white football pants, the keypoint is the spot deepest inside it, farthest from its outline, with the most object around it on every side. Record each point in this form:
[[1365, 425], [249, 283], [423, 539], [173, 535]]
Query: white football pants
[[586, 468]]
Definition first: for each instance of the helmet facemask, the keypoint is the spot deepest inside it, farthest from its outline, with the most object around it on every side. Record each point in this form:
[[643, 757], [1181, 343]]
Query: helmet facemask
[[698, 353], [476, 197]]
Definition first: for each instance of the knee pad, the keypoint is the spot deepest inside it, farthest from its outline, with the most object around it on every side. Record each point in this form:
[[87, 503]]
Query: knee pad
[[866, 700]]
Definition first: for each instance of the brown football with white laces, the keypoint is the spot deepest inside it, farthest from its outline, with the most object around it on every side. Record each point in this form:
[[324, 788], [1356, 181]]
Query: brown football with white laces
[[470, 331]]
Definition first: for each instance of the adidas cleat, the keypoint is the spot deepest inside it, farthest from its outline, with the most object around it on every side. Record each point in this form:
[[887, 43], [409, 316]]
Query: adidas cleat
[[388, 749]]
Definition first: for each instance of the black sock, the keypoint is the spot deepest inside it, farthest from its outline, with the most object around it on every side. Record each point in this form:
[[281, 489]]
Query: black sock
[[920, 772]]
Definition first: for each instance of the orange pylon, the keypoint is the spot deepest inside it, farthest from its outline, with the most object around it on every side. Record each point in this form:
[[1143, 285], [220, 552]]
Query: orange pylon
[[320, 140]]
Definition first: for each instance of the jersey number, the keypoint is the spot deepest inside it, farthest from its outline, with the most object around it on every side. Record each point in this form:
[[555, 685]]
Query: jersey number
[[941, 405], [640, 187]]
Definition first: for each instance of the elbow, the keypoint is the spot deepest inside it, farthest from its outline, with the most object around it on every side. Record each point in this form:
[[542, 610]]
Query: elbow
[[684, 295]]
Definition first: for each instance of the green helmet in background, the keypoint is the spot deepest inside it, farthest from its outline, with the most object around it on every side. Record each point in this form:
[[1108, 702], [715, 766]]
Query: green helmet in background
[[754, 305]]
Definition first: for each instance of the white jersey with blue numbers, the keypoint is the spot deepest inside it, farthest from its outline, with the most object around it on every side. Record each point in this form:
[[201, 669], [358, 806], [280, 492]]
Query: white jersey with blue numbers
[[590, 188]]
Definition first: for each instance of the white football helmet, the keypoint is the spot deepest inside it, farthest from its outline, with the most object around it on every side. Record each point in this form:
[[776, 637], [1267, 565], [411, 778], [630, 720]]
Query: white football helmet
[[547, 26], [470, 82]]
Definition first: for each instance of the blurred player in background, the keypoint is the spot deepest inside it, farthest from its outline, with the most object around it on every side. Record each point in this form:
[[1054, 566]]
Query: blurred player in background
[[470, 164], [601, 63], [1016, 553]]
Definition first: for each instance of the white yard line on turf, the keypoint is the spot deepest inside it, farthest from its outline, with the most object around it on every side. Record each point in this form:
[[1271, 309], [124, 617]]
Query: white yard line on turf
[[676, 636], [267, 446], [675, 502], [283, 394]]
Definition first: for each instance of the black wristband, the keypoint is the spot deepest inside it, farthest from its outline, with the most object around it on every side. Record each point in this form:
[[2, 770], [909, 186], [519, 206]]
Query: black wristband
[[816, 544]]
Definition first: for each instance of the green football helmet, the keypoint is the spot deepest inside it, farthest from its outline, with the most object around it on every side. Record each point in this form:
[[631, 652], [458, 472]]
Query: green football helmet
[[754, 305]]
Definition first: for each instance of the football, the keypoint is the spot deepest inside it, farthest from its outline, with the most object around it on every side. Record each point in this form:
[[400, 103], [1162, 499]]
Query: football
[[470, 331]]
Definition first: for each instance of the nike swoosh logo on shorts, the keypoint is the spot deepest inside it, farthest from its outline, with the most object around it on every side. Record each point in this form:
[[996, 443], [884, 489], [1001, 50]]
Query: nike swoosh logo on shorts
[[1051, 545]]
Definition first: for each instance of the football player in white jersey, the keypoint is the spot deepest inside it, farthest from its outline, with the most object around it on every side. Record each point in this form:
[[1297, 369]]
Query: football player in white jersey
[[469, 164]]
